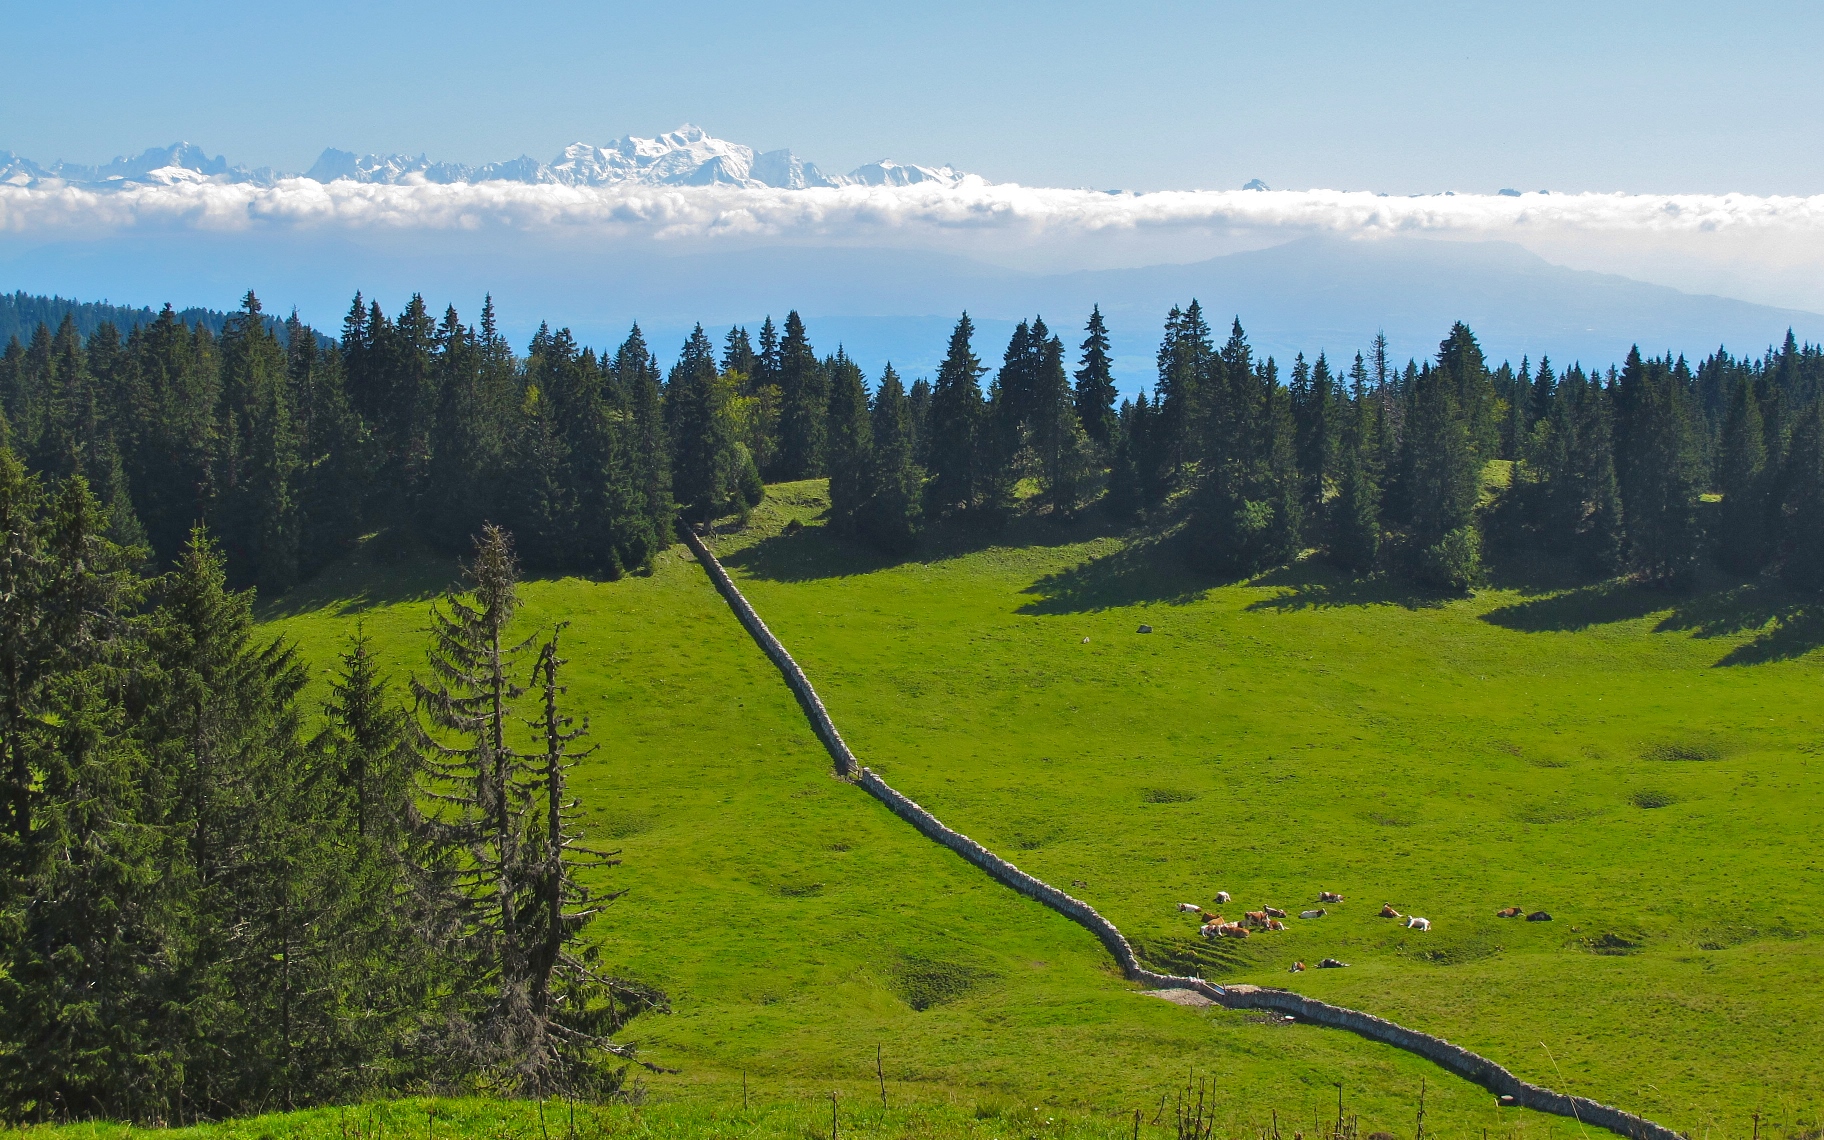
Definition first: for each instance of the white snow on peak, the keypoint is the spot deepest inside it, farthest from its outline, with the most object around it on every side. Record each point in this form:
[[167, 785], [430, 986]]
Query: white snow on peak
[[687, 156]]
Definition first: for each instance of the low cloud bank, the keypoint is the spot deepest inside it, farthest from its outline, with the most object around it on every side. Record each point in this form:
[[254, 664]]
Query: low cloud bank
[[1763, 249], [862, 212]]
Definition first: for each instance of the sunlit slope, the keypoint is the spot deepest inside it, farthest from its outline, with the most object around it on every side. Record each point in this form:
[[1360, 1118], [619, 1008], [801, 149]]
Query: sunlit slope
[[797, 925], [1642, 766]]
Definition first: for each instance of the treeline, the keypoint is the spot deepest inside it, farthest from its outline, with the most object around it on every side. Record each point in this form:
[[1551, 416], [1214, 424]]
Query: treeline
[[21, 313], [290, 447], [209, 908]]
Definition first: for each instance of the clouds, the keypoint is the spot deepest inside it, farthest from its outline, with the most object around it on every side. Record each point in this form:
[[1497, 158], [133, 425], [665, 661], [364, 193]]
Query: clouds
[[860, 212], [1764, 248]]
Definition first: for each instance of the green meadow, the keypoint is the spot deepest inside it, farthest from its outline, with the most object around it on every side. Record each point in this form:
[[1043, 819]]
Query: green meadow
[[1637, 764]]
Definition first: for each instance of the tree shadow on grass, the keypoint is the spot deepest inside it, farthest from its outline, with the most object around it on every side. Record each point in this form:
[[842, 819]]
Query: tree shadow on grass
[[1311, 584], [1147, 569], [383, 570], [1601, 603], [1783, 624], [814, 552]]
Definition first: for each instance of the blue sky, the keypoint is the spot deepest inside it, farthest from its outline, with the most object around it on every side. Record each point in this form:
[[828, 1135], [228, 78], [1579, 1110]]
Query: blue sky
[[1398, 97]]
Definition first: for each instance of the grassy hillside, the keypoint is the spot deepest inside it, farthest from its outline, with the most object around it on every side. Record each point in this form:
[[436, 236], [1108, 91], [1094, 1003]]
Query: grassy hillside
[[1636, 764]]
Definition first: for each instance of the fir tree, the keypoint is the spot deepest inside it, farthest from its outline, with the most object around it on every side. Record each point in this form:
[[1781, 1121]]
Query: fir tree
[[1095, 391], [804, 400], [849, 445], [1660, 470], [894, 509], [706, 466], [955, 418], [1065, 457], [1742, 477]]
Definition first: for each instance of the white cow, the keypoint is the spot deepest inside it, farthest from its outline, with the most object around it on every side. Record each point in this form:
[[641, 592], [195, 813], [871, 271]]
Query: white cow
[[1414, 922]]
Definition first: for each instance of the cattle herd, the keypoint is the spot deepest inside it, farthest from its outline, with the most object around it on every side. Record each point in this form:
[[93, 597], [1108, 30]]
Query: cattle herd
[[1269, 918]]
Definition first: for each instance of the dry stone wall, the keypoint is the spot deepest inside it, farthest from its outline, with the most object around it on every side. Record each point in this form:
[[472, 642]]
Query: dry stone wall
[[1470, 1066]]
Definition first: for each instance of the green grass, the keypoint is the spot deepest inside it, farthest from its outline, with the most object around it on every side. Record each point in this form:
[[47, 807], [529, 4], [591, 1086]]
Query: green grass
[[1637, 764]]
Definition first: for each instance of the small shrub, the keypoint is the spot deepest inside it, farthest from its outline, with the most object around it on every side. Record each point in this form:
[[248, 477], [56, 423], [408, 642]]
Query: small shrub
[[1454, 562], [1651, 798]]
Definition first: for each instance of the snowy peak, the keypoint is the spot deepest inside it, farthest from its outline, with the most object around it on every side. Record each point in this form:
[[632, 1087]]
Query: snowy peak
[[688, 156], [167, 166]]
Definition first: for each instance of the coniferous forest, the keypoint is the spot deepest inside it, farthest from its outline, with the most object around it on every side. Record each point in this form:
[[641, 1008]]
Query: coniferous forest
[[216, 898]]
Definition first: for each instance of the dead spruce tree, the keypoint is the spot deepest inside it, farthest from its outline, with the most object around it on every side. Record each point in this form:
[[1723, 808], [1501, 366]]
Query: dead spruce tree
[[574, 1006], [539, 1015]]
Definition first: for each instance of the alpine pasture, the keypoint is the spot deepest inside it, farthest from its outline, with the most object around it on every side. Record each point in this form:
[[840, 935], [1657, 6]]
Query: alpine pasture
[[1591, 751]]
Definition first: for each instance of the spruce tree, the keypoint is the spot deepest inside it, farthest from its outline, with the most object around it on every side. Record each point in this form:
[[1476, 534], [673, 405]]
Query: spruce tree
[[1066, 458], [636, 376], [1802, 505], [1180, 396], [894, 509], [956, 416], [1742, 478], [804, 400], [1660, 471], [1095, 393], [706, 468], [849, 445], [1440, 481]]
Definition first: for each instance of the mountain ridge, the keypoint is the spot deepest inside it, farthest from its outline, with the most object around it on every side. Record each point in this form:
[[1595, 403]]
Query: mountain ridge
[[687, 156]]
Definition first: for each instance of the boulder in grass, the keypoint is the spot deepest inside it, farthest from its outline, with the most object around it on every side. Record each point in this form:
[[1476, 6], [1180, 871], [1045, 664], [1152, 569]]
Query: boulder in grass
[[1145, 629]]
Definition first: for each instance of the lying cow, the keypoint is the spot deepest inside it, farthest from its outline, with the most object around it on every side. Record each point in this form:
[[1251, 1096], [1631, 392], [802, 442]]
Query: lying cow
[[1332, 964], [1216, 930], [1318, 913], [1297, 968], [1189, 908], [1275, 924], [1417, 923], [1329, 897], [1387, 911], [1275, 912], [1222, 896], [1509, 912], [1255, 918]]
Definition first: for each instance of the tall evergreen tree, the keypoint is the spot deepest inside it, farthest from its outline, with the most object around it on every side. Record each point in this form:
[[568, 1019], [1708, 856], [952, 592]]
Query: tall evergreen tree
[[705, 474], [956, 416], [850, 444], [1742, 478], [894, 509], [804, 398], [1066, 460], [1095, 391], [1660, 470]]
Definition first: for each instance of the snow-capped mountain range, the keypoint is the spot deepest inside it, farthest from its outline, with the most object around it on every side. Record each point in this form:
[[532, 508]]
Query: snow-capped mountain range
[[688, 156]]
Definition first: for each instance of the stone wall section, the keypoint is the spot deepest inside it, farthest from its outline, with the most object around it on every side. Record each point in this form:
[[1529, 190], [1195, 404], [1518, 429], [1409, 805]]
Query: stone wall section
[[1470, 1066]]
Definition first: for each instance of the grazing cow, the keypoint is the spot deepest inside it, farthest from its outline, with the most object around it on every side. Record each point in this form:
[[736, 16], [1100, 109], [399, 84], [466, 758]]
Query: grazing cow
[[1275, 912], [1538, 916], [1189, 908], [1329, 897], [1222, 896], [1318, 913], [1297, 968], [1332, 964], [1275, 924], [1387, 911], [1417, 923], [1509, 912]]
